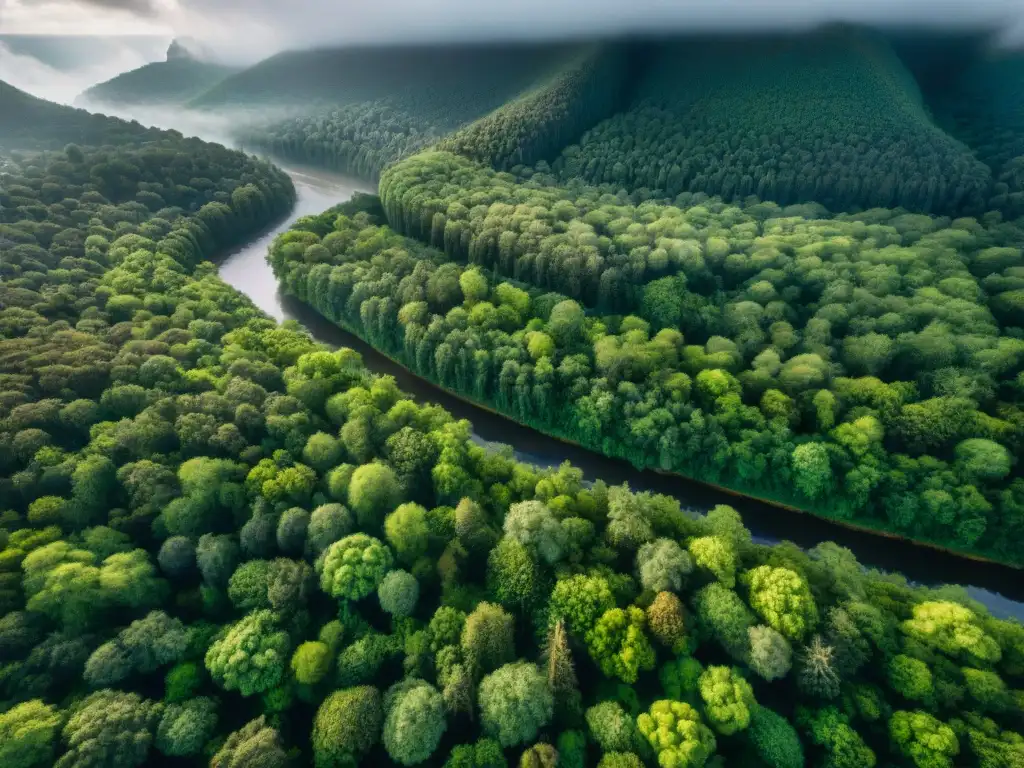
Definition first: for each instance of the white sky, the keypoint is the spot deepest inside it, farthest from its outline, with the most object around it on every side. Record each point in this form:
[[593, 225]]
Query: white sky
[[247, 30]]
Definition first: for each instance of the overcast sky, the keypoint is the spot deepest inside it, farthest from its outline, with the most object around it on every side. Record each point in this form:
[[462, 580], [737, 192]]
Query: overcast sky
[[246, 30]]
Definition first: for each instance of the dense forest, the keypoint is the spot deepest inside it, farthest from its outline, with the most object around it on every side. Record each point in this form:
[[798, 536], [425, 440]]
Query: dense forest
[[227, 545], [832, 117], [849, 365], [27, 122], [224, 544], [865, 366], [180, 78], [379, 115]]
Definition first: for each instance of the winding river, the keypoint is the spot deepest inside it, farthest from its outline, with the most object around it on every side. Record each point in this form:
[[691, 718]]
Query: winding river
[[999, 588]]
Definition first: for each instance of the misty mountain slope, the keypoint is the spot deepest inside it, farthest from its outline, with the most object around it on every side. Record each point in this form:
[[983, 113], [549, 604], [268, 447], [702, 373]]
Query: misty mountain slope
[[362, 137], [174, 81], [982, 104], [833, 117], [415, 74], [30, 123]]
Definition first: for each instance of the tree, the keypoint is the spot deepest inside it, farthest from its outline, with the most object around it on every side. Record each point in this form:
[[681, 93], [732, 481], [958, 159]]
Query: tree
[[328, 523], [539, 756], [346, 726], [488, 637], [407, 532], [177, 557], [572, 749], [322, 451], [186, 727], [831, 730], [109, 728], [928, 742], [217, 557], [715, 554], [311, 662], [611, 727], [952, 629], [445, 627], [728, 699], [515, 703], [27, 733], [981, 459], [662, 565], [291, 531], [354, 567], [783, 599], [911, 678], [580, 601], [182, 681], [676, 734], [774, 740], [398, 593], [512, 574], [619, 645], [534, 525], [486, 753], [561, 673], [251, 657], [771, 655], [817, 674], [723, 615], [414, 724], [373, 492], [667, 622], [812, 469], [255, 744]]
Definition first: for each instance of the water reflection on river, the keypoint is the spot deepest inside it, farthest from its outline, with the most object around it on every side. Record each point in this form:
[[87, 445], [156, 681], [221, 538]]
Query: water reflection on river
[[1000, 589]]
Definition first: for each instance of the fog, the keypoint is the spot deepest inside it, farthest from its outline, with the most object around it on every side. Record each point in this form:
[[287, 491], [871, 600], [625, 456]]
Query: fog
[[243, 31], [304, 23], [63, 83]]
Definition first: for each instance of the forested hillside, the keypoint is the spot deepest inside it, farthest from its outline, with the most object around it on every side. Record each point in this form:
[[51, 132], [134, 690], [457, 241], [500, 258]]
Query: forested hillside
[[30, 123], [174, 81], [416, 74], [380, 121], [831, 117], [982, 104]]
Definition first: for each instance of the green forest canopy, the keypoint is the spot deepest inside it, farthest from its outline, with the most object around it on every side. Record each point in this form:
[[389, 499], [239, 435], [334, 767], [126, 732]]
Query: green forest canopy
[[223, 544]]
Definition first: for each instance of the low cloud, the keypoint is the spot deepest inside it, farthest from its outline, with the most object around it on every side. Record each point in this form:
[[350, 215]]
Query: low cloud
[[247, 30]]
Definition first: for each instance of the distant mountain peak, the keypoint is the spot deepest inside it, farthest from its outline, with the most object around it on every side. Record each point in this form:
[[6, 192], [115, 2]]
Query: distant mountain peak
[[183, 48]]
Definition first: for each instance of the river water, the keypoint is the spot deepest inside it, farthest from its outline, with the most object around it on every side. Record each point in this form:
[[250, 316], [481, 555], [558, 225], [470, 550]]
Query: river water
[[999, 588]]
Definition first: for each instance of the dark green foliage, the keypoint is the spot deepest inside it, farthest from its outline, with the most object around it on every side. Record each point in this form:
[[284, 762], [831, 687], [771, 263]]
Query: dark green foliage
[[109, 728], [774, 739], [515, 703], [255, 744], [748, 118], [414, 723], [251, 657], [398, 593], [347, 725], [388, 103], [184, 728]]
